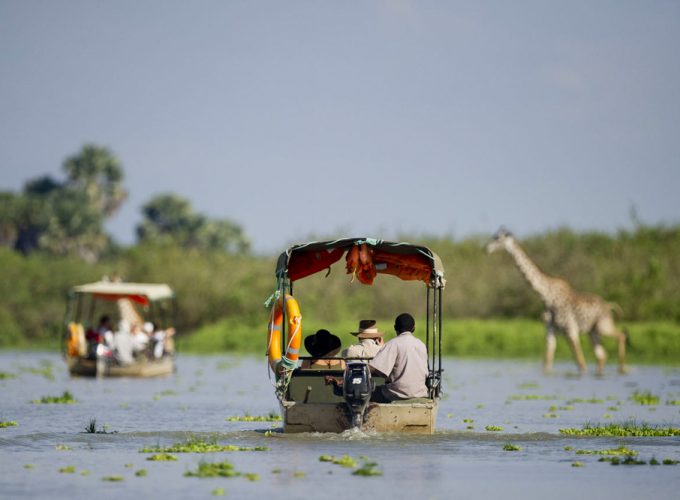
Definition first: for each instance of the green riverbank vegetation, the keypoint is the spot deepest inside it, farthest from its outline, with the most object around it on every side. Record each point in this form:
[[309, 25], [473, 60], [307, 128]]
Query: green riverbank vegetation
[[221, 285]]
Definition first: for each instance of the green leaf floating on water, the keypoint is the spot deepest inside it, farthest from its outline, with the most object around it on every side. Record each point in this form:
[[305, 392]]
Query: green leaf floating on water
[[626, 429], [271, 417], [11, 423], [65, 398], [162, 457], [200, 446]]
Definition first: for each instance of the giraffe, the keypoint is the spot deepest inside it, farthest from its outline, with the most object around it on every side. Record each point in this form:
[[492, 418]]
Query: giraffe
[[566, 310]]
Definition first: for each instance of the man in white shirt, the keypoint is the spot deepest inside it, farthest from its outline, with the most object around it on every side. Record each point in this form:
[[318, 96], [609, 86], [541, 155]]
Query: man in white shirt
[[403, 361]]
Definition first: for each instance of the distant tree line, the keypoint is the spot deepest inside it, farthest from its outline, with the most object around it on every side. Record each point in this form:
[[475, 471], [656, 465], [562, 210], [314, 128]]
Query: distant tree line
[[66, 217]]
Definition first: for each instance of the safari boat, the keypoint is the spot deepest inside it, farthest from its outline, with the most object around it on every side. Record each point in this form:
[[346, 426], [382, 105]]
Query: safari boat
[[307, 403], [84, 347]]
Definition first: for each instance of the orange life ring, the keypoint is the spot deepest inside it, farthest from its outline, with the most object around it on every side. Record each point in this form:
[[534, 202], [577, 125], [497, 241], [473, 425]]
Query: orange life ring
[[274, 346]]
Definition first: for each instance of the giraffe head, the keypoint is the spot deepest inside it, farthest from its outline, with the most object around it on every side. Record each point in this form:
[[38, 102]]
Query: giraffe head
[[502, 239]]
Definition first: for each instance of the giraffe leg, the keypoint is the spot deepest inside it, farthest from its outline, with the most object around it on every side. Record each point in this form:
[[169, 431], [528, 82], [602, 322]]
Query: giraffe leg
[[600, 353], [575, 344], [622, 340], [550, 345], [606, 327]]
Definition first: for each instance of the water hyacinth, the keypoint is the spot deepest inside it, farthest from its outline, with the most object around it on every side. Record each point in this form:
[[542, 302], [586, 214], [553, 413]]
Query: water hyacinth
[[621, 450], [10, 423], [645, 398], [511, 447], [65, 398], [493, 428], [200, 446], [621, 430], [220, 469], [162, 457], [271, 417]]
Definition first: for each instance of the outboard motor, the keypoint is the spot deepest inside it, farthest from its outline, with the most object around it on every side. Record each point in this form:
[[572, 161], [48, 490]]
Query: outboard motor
[[356, 389]]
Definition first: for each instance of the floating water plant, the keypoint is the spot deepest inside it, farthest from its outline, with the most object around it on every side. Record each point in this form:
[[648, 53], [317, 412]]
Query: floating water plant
[[511, 447], [199, 446], [218, 492], [85, 472], [674, 402], [368, 469], [10, 423], [550, 415], [214, 469], [345, 461], [645, 398], [141, 473], [493, 428], [113, 479], [670, 461], [530, 397], [62, 447], [299, 473], [577, 464], [621, 450], [271, 417], [468, 421], [528, 385], [629, 460], [69, 469], [65, 398], [6, 375], [621, 430], [162, 457], [326, 458], [592, 401]]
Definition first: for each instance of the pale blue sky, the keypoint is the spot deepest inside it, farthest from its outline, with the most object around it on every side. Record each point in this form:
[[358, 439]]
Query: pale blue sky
[[325, 117]]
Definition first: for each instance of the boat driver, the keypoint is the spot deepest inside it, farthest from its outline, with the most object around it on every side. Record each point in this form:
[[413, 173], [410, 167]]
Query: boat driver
[[403, 362]]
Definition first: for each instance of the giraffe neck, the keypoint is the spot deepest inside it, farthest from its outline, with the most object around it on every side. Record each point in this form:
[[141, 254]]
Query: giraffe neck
[[539, 281]]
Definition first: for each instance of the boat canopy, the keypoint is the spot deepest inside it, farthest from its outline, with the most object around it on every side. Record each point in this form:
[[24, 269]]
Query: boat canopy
[[364, 256], [142, 293]]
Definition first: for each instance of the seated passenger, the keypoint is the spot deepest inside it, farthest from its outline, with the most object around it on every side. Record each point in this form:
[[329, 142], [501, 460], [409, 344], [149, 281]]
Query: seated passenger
[[370, 341], [160, 340], [102, 335], [140, 340], [403, 361], [123, 343], [323, 344]]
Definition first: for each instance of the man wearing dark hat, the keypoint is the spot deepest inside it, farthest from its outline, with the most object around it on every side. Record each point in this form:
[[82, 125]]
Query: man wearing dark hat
[[323, 344], [370, 341], [403, 361]]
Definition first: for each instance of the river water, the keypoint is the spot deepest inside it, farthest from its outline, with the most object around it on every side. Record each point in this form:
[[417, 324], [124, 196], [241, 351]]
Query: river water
[[48, 454]]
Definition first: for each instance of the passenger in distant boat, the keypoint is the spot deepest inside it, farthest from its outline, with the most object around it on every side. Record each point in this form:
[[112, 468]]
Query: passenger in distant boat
[[323, 344], [123, 343], [403, 361], [140, 340], [105, 330], [160, 340], [102, 335], [370, 341]]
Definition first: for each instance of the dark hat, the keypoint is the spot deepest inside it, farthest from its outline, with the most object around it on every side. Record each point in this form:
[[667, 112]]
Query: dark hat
[[368, 329], [321, 343]]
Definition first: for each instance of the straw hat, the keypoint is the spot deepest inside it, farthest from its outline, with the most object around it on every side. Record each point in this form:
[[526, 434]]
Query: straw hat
[[321, 343], [368, 330]]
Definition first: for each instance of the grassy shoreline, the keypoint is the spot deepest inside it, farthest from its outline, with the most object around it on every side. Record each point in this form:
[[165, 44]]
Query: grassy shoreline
[[651, 342]]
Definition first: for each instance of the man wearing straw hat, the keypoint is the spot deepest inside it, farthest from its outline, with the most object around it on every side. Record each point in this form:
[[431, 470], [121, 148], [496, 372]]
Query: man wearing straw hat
[[370, 341]]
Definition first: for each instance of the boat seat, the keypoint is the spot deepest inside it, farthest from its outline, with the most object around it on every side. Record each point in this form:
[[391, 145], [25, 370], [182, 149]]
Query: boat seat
[[308, 385]]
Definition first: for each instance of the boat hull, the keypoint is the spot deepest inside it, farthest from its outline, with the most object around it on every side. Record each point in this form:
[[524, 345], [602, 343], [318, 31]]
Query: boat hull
[[145, 368], [406, 417]]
